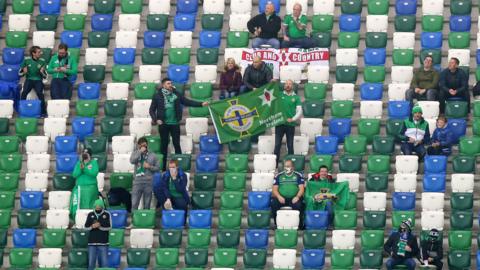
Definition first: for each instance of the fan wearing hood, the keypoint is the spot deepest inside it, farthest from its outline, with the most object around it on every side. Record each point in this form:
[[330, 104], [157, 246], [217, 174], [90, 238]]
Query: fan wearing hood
[[402, 247], [432, 249]]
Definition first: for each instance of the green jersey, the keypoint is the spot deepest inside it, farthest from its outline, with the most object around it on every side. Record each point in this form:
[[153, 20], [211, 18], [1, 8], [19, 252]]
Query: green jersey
[[289, 105], [292, 28], [173, 190], [68, 62], [170, 113], [33, 68], [288, 184]]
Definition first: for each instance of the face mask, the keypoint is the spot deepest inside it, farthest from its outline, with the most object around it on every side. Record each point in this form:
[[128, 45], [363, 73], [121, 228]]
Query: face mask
[[288, 170], [98, 211]]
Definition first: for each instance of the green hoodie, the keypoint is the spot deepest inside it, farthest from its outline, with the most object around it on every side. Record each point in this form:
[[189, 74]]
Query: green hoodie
[[87, 176], [56, 63]]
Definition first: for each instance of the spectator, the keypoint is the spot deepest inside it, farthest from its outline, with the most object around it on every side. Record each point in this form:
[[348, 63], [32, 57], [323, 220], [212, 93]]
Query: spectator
[[453, 84], [171, 188], [166, 112], [424, 83], [295, 30], [415, 134], [98, 223], [85, 191], [292, 108], [288, 190], [33, 68], [265, 27], [256, 75], [62, 67], [230, 80], [119, 196], [146, 164], [322, 175], [432, 250], [442, 139], [402, 247]]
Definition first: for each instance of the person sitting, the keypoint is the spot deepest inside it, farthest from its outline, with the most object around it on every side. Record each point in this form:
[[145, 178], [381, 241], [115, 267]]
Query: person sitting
[[432, 249], [256, 75], [295, 30], [171, 188], [424, 83], [265, 27], [402, 247], [230, 79], [442, 139], [322, 175], [453, 84], [415, 134]]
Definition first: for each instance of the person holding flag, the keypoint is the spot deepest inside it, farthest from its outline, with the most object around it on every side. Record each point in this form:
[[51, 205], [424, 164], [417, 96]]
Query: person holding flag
[[34, 70]]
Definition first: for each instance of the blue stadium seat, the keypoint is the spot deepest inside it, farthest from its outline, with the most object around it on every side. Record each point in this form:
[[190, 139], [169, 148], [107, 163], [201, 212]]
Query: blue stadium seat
[[119, 218], [50, 6], [326, 145], [316, 220], [349, 22], [184, 22], [13, 56], [72, 38], [434, 182], [24, 238], [478, 260], [256, 239], [9, 73], [154, 39], [403, 201], [340, 127], [431, 40], [83, 127], [259, 200], [398, 109], [210, 39], [9, 90], [200, 219], [66, 163], [375, 56], [458, 128], [114, 257], [406, 7], [460, 23], [435, 164], [207, 163], [313, 258], [209, 144], [102, 22], [66, 145], [31, 200], [263, 3], [30, 108], [371, 91], [178, 73], [478, 56], [187, 6], [173, 219], [124, 56], [88, 91]]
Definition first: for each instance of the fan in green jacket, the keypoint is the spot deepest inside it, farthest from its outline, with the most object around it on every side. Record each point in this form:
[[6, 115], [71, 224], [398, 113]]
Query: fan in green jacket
[[62, 67], [415, 134]]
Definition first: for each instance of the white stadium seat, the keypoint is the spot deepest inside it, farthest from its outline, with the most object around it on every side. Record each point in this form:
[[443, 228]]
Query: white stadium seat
[[318, 73], [140, 127], [141, 108], [123, 144], [206, 73], [371, 109], [129, 22], [396, 91], [38, 163], [346, 57], [405, 182], [293, 73], [238, 22], [59, 199], [403, 40], [77, 6], [213, 6], [432, 7], [241, 7], [181, 39], [290, 3], [430, 109], [284, 258], [100, 181], [432, 201], [300, 145], [116, 91], [58, 108], [311, 127], [266, 144], [353, 180], [36, 145], [432, 124], [6, 108], [149, 73], [402, 74], [462, 182], [406, 164], [59, 218], [235, 53], [324, 7], [43, 39], [343, 91], [288, 219], [374, 201], [463, 56], [36, 181], [377, 23], [121, 163], [432, 220], [262, 181], [81, 218], [96, 56], [264, 163], [343, 239], [19, 22], [126, 39], [196, 127], [49, 257], [158, 7], [54, 127], [141, 238]]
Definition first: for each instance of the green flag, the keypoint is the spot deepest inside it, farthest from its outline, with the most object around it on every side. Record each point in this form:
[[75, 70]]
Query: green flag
[[248, 114], [339, 190]]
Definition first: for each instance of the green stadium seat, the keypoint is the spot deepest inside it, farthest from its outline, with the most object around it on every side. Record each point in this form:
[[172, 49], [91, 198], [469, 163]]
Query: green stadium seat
[[46, 22], [228, 238], [476, 108], [374, 220], [78, 257], [456, 109], [122, 73], [314, 239], [74, 22], [98, 144], [286, 238], [207, 56], [342, 108], [374, 74], [16, 39], [459, 259], [213, 22], [54, 238], [313, 108], [434, 53], [369, 128], [10, 163], [3, 8], [28, 218], [116, 238], [22, 6], [351, 7], [231, 200], [205, 181], [184, 161], [469, 146], [196, 257], [87, 108], [403, 57], [105, 6], [463, 164], [94, 73], [234, 181], [376, 39], [371, 258], [236, 163], [372, 239], [298, 162], [346, 74], [322, 23], [225, 257], [154, 143], [460, 240], [115, 108], [355, 145], [170, 238], [399, 216], [199, 111], [4, 126], [138, 257], [21, 257], [255, 258], [376, 182], [121, 180], [98, 39], [405, 23], [342, 258], [131, 6], [63, 182], [157, 22], [7, 199], [476, 127], [352, 201], [350, 164], [237, 39], [318, 160], [348, 40], [258, 219], [74, 53], [167, 257], [152, 56], [378, 7], [315, 91], [143, 218], [111, 126], [345, 219], [79, 238], [3, 239], [202, 199], [461, 220], [5, 218], [394, 127], [201, 90], [199, 238], [322, 39], [459, 40], [378, 164], [383, 145], [461, 7], [179, 56], [145, 90], [9, 144], [25, 127], [229, 219], [9, 181], [432, 23], [240, 146], [462, 201]]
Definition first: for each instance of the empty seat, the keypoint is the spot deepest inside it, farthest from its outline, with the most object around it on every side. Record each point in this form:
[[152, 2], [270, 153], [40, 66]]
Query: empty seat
[[256, 239], [462, 182], [318, 74], [19, 22], [288, 219], [122, 144], [179, 73], [293, 73], [343, 91], [434, 182], [121, 163], [181, 39], [371, 109], [349, 22], [83, 127], [264, 163], [49, 257], [149, 73], [141, 238], [284, 258], [343, 239], [432, 220], [262, 181], [432, 201], [36, 145], [200, 219], [140, 127], [316, 220], [266, 144], [374, 201], [205, 73], [117, 91], [36, 182], [375, 56], [435, 164], [126, 39], [340, 127], [59, 199], [402, 74], [24, 238], [259, 200], [403, 201], [431, 40], [57, 218], [377, 23]]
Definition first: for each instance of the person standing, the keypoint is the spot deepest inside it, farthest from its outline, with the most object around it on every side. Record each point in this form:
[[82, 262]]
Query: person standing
[[146, 164], [256, 75], [292, 107], [98, 223], [34, 70], [265, 27], [424, 83], [453, 84], [230, 79], [171, 188], [166, 112], [295, 30], [415, 134], [402, 247], [85, 191], [62, 67], [287, 190]]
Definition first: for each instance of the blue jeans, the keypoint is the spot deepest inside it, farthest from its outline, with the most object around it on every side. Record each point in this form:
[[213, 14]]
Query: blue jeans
[[392, 262], [258, 42], [408, 149], [330, 211], [100, 252]]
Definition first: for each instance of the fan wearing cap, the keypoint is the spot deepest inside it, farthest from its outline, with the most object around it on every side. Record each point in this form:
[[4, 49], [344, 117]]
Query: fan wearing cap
[[98, 223], [402, 247], [432, 249], [415, 134]]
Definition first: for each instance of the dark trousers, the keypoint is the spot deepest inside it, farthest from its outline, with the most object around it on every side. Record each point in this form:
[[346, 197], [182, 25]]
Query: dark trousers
[[61, 89], [392, 262], [408, 149], [37, 85], [444, 96], [430, 95], [165, 132], [304, 43], [276, 205], [434, 151], [280, 131], [229, 94], [437, 263]]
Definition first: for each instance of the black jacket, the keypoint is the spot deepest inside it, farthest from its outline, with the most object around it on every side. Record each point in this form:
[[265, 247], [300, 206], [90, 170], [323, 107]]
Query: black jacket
[[98, 236], [427, 248], [254, 78], [157, 108], [270, 28], [391, 246], [457, 80]]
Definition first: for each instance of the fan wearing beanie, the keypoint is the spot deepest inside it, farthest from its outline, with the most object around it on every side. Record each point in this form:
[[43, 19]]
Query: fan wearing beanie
[[402, 247]]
